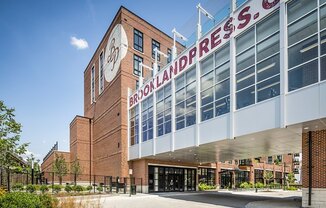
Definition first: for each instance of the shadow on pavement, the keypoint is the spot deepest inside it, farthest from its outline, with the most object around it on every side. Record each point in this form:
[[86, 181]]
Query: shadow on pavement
[[225, 199]]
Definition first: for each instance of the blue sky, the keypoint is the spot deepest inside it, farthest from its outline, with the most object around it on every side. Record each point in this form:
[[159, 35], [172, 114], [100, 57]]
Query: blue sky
[[41, 73]]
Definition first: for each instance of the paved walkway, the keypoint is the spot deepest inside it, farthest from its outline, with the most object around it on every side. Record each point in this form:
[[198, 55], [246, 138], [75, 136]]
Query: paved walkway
[[198, 200]]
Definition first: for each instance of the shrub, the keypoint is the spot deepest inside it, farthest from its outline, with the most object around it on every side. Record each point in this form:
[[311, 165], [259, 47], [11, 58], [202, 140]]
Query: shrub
[[48, 201], [18, 187], [79, 188], [57, 188], [99, 189], [44, 189], [20, 199], [259, 185], [204, 186], [275, 185], [291, 188], [30, 188], [246, 185], [37, 187], [2, 192], [68, 188], [89, 188]]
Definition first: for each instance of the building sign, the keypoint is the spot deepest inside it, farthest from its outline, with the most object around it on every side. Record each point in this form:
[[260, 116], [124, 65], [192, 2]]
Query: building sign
[[242, 19], [116, 50]]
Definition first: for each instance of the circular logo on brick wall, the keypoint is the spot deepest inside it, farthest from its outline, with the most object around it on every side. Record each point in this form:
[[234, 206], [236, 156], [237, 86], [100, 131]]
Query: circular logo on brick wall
[[116, 50]]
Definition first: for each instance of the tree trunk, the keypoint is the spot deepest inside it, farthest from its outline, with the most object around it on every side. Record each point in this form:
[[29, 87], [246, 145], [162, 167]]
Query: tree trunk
[[8, 179]]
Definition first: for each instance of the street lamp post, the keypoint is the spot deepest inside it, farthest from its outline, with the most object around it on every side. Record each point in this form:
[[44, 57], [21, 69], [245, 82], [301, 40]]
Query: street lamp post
[[32, 171]]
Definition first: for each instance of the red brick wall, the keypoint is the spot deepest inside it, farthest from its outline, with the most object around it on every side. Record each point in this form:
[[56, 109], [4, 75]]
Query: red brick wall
[[318, 159], [109, 113]]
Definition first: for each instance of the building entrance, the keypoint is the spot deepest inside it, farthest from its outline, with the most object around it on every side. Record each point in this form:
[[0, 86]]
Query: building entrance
[[226, 179], [170, 179]]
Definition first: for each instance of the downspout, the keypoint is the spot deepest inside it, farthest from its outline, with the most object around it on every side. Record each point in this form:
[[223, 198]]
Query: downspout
[[90, 151], [310, 167]]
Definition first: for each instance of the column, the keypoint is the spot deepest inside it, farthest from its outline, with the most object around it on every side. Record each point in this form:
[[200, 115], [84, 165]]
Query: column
[[314, 169]]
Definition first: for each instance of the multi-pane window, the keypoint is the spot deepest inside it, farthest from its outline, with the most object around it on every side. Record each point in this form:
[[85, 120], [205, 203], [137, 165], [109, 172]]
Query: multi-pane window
[[137, 61], [147, 119], [323, 39], [258, 62], [215, 84], [93, 84], [185, 99], [163, 110], [207, 176], [101, 73], [134, 126], [138, 40], [169, 56], [270, 159], [155, 44], [303, 43]]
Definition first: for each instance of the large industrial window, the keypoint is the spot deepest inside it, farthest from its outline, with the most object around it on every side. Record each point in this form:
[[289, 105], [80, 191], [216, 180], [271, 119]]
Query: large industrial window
[[137, 61], [303, 43], [93, 84], [138, 40], [163, 110], [215, 84], [185, 99], [155, 44], [101, 73], [258, 62], [147, 119], [134, 126]]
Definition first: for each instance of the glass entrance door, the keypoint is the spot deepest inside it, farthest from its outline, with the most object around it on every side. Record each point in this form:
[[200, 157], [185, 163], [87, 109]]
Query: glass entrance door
[[171, 179]]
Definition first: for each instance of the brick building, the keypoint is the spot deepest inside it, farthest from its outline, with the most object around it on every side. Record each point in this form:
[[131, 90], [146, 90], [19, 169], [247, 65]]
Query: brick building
[[253, 86]]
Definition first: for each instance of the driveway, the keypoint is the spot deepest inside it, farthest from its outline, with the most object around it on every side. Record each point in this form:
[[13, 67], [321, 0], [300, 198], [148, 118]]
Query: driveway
[[200, 200]]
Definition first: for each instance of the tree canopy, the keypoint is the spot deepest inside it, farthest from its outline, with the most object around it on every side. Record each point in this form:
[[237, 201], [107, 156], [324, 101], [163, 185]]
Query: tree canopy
[[10, 131]]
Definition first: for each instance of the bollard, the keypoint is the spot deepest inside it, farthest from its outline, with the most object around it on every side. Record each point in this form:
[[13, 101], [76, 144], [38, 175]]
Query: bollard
[[110, 184], [124, 185], [117, 185]]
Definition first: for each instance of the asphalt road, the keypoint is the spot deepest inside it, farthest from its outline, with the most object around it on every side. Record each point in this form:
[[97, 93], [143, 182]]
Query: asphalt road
[[200, 200]]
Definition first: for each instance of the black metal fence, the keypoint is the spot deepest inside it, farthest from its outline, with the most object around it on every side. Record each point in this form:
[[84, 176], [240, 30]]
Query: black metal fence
[[109, 184]]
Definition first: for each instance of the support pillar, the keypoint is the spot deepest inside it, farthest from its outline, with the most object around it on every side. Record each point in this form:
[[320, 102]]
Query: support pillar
[[314, 168]]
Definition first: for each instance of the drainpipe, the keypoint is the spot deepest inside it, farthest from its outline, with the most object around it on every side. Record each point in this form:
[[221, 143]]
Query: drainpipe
[[310, 167], [90, 151]]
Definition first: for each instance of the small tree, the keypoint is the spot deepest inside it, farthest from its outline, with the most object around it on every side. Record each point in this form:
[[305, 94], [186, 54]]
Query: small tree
[[268, 176], [60, 167], [9, 140], [290, 179], [76, 169]]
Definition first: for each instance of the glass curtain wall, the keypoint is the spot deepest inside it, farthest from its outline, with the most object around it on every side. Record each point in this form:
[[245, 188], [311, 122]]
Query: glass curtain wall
[[185, 99], [134, 126], [304, 39], [215, 84], [258, 62], [163, 110], [147, 119]]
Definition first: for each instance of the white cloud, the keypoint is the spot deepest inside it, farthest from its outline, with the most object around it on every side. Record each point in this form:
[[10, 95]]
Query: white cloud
[[78, 43], [29, 154]]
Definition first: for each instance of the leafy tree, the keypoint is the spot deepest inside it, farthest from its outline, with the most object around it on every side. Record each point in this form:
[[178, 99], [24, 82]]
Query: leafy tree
[[76, 169], [290, 179], [268, 176], [10, 131], [60, 167]]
